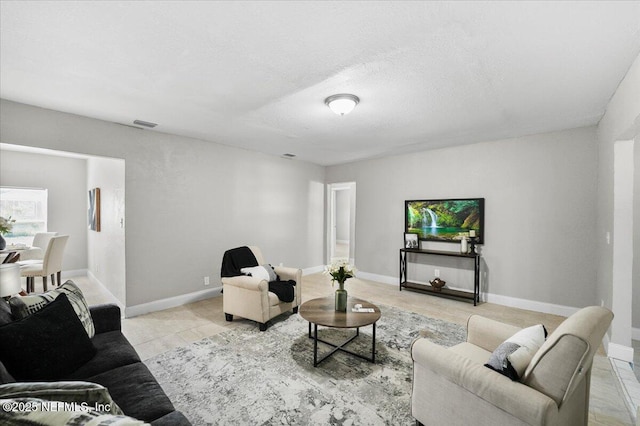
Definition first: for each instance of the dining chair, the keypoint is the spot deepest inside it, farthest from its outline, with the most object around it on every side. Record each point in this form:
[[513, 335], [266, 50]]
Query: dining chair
[[38, 246], [12, 257], [51, 265]]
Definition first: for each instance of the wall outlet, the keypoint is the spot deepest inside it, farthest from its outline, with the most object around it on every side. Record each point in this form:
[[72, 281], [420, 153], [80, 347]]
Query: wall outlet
[[206, 281], [437, 273]]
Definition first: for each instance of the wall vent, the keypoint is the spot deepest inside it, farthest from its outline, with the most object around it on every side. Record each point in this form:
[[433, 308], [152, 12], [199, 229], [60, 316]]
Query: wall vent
[[145, 123], [128, 125]]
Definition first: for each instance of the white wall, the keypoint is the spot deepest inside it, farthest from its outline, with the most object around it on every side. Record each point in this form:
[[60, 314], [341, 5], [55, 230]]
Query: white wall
[[343, 208], [65, 179], [107, 248], [540, 212], [621, 121], [620, 345], [187, 200], [636, 239]]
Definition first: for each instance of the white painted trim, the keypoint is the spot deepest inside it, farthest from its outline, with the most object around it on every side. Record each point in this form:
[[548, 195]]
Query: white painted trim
[[605, 343], [621, 352], [171, 302], [635, 333], [532, 305], [95, 280], [313, 270], [384, 279], [74, 273], [342, 241]]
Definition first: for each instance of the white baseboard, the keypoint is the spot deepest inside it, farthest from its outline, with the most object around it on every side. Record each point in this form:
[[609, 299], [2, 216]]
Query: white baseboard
[[183, 299], [75, 273], [605, 343], [313, 270], [95, 280], [171, 302], [531, 305], [378, 278], [621, 352]]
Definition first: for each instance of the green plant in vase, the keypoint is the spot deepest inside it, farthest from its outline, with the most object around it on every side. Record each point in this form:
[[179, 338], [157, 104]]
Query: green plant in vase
[[5, 227], [340, 271]]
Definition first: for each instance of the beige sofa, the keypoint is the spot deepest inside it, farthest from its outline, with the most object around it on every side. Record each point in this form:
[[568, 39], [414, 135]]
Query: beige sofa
[[452, 385], [250, 298]]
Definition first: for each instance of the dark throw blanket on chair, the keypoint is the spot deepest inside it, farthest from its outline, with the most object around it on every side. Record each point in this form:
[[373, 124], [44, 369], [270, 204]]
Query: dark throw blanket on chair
[[235, 259], [242, 257], [283, 289]]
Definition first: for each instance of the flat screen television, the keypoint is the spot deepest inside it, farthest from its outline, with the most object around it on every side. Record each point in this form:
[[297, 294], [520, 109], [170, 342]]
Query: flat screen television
[[445, 220]]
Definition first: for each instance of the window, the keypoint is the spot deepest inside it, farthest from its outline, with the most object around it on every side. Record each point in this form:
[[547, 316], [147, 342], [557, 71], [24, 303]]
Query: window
[[28, 206]]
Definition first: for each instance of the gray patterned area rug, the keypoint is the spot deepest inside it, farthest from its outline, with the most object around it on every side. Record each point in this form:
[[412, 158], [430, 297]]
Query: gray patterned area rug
[[248, 377]]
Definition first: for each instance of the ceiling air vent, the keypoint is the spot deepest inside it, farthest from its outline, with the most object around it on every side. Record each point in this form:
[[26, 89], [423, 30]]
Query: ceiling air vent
[[145, 124]]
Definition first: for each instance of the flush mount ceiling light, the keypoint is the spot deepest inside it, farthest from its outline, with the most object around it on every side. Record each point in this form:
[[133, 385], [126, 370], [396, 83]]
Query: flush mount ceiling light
[[342, 104]]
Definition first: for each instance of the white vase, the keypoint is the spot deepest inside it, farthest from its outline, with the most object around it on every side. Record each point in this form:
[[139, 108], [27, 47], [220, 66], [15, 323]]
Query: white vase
[[464, 246]]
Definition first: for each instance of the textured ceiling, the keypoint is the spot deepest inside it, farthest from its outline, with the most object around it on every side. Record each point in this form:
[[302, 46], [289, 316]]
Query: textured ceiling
[[255, 74]]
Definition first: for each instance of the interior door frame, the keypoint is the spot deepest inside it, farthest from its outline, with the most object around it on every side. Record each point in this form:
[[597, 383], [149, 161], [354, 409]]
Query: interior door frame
[[332, 189]]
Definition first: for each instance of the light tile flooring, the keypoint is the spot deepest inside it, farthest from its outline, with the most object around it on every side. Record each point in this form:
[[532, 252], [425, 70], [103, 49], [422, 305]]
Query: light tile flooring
[[629, 386], [341, 250], [161, 331]]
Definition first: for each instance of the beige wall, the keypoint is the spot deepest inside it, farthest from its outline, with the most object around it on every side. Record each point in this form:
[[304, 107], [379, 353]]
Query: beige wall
[[343, 220], [107, 248], [621, 121], [636, 241], [187, 200], [540, 212], [65, 179]]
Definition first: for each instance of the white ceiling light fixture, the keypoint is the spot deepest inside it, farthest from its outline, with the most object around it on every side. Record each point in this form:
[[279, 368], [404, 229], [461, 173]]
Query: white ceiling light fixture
[[342, 104]]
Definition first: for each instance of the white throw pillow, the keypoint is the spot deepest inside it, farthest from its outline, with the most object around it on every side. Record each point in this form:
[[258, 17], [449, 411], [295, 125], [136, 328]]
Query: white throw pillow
[[260, 272], [23, 306], [513, 356]]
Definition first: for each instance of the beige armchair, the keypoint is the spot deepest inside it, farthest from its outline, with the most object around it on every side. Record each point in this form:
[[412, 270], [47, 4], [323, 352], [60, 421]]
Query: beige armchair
[[249, 297], [452, 385]]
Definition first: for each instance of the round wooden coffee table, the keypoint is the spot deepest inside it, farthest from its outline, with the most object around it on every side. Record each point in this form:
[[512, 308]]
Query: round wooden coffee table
[[322, 312]]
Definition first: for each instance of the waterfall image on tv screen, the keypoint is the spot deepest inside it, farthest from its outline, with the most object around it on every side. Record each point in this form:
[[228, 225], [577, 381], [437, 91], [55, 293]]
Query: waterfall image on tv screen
[[445, 220]]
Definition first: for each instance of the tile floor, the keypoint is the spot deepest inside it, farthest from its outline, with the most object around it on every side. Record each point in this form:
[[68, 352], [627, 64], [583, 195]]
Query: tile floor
[[161, 331], [628, 382]]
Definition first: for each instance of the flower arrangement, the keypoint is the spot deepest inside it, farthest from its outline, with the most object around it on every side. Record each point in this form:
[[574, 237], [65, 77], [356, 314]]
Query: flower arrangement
[[340, 271], [6, 225]]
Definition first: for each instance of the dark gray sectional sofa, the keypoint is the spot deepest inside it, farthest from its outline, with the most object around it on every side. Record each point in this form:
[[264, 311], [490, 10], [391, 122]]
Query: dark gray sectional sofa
[[117, 366]]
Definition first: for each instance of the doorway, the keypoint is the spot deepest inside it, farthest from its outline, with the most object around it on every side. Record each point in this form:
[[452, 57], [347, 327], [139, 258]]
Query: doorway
[[341, 236], [99, 255]]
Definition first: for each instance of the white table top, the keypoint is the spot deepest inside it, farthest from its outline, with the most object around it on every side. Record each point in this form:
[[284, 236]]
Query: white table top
[[14, 248]]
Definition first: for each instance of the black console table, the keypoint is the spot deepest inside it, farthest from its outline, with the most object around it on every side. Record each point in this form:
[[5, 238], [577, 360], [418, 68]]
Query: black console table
[[445, 292]]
